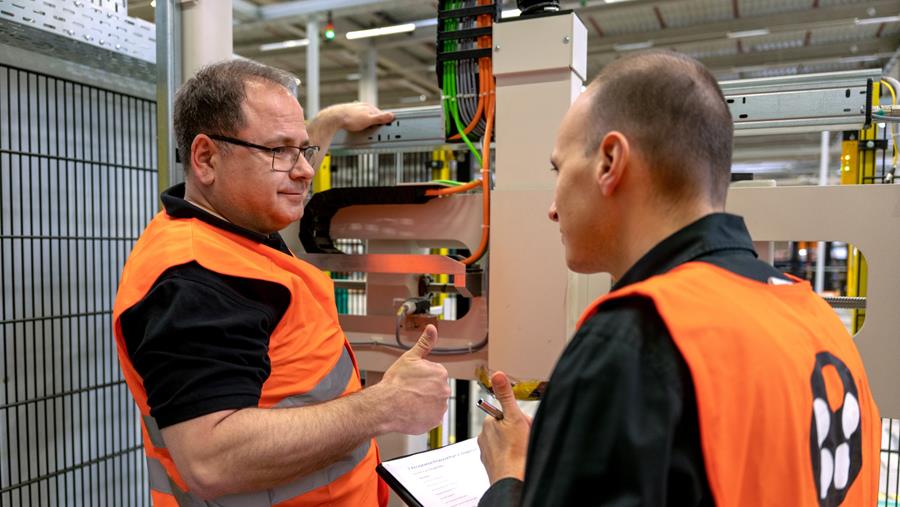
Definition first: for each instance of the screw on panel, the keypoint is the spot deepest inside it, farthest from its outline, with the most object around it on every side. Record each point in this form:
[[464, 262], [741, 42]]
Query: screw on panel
[[497, 47], [566, 39]]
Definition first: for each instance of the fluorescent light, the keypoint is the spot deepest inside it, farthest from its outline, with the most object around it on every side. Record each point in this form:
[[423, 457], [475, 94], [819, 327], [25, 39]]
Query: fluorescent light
[[422, 23], [385, 30], [877, 21], [634, 46], [510, 13], [748, 33], [286, 44]]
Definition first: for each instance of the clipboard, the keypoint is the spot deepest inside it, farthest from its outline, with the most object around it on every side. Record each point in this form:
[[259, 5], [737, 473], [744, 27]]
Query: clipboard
[[449, 475]]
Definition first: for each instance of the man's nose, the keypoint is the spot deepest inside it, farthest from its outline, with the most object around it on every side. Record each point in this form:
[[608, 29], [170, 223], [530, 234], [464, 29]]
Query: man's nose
[[302, 170], [552, 214]]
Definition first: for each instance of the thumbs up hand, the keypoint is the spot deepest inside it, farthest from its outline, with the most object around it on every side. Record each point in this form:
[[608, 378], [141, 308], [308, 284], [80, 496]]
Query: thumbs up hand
[[418, 388], [504, 443]]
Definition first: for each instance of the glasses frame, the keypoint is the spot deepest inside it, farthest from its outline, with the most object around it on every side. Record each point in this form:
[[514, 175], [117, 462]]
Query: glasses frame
[[308, 152]]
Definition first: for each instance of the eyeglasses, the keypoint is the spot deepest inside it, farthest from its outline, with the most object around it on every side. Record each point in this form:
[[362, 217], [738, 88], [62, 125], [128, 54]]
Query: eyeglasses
[[284, 158]]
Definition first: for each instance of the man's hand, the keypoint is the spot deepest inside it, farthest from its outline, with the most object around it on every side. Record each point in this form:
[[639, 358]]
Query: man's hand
[[352, 116], [356, 116], [418, 389], [504, 443]]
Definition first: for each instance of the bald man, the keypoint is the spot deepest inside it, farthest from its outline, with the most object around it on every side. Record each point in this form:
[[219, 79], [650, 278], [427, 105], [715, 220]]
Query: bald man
[[706, 377]]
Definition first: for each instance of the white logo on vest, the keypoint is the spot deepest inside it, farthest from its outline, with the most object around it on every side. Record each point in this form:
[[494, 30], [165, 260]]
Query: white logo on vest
[[835, 436]]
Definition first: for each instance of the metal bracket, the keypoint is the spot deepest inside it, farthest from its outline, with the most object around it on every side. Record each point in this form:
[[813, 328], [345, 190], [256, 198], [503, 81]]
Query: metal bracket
[[414, 127], [806, 103]]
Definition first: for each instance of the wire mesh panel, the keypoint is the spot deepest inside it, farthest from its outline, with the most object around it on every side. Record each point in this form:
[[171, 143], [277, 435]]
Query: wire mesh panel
[[889, 483], [77, 186]]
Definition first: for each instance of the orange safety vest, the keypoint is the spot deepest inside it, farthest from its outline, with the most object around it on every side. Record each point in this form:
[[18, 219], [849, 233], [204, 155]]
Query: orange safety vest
[[785, 411], [311, 360]]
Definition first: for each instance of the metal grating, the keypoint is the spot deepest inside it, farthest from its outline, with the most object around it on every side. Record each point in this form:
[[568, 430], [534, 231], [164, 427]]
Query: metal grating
[[77, 186], [889, 482]]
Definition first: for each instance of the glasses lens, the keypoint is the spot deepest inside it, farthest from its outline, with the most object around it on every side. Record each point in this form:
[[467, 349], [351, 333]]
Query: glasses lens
[[309, 153], [284, 158]]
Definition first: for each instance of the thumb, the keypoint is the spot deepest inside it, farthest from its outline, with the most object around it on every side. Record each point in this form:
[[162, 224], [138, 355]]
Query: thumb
[[383, 117], [426, 342], [504, 393]]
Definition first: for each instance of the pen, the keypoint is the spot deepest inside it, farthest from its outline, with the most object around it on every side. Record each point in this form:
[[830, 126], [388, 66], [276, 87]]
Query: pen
[[490, 410]]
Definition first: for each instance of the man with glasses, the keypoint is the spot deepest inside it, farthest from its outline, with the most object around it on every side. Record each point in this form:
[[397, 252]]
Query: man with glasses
[[248, 390]]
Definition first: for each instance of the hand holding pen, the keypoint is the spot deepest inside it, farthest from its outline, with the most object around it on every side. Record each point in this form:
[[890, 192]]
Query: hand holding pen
[[504, 436]]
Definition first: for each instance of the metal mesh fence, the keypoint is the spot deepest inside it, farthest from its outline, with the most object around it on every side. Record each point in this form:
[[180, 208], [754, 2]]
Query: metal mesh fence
[[77, 186], [889, 482]]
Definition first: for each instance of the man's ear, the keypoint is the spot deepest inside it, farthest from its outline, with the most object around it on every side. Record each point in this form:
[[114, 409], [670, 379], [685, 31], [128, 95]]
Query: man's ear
[[614, 157], [205, 156]]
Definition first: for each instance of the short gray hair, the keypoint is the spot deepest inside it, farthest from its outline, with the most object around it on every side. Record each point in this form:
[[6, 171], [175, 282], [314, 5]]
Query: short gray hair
[[211, 102]]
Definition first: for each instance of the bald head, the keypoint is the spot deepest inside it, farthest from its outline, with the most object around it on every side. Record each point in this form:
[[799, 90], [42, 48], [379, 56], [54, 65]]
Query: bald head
[[672, 111]]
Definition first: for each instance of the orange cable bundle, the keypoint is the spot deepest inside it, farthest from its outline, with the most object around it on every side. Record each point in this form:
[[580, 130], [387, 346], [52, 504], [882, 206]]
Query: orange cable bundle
[[486, 105]]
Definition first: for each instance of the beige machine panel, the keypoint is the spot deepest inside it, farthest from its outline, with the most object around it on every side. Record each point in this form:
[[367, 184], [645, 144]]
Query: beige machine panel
[[539, 68], [868, 216]]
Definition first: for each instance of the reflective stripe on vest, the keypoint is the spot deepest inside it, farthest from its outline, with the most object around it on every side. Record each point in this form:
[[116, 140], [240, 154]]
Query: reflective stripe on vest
[[329, 388], [160, 481]]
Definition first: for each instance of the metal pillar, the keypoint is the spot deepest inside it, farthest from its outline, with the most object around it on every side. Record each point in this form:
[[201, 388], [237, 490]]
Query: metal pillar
[[540, 58], [206, 34], [858, 168], [312, 68], [820, 246], [168, 77], [189, 35], [368, 77]]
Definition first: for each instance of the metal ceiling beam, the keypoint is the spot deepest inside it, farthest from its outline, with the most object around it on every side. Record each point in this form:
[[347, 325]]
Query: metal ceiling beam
[[307, 7], [871, 61], [820, 53], [300, 10], [822, 17], [245, 10]]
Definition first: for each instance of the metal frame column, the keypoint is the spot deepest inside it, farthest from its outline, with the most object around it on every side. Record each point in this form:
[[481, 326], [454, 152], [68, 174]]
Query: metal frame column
[[168, 78], [312, 69], [368, 75]]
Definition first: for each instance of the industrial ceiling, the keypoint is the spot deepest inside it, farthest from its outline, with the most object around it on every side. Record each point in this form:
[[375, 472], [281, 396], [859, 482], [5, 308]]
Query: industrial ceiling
[[734, 38]]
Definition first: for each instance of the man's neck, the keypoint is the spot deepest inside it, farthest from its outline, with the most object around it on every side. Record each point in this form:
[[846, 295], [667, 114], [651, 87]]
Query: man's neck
[[646, 230], [200, 202]]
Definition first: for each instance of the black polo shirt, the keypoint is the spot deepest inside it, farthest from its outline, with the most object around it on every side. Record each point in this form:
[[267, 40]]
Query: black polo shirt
[[618, 424], [199, 339]]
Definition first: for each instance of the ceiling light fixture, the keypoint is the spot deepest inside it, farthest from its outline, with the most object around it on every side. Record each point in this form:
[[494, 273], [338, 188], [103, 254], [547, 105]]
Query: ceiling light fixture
[[634, 46], [385, 30], [877, 21], [286, 44], [748, 33]]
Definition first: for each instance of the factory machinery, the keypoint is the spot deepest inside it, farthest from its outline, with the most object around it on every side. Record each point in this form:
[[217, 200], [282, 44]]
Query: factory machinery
[[79, 111], [520, 75]]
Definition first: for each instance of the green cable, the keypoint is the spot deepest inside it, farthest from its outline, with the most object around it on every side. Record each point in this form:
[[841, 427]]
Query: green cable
[[454, 111], [449, 89], [452, 183]]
